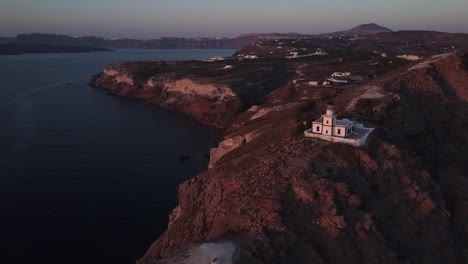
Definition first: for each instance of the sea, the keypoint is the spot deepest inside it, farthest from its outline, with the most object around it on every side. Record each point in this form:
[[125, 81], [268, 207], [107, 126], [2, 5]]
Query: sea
[[85, 176]]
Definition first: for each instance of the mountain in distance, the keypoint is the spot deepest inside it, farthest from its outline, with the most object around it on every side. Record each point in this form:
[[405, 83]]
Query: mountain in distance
[[19, 48], [371, 30], [364, 29], [178, 43]]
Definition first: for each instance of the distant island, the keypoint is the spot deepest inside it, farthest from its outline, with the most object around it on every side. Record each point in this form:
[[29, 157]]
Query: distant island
[[178, 43], [17, 49]]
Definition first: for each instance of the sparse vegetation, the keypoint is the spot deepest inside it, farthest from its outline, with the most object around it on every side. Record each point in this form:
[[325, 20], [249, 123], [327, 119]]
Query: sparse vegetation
[[364, 105], [328, 94]]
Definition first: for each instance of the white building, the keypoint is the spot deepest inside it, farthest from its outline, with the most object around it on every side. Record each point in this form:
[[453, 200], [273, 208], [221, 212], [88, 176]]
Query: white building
[[314, 83], [320, 52], [409, 57], [329, 128], [326, 83], [297, 81], [214, 59], [341, 74], [333, 80], [250, 57]]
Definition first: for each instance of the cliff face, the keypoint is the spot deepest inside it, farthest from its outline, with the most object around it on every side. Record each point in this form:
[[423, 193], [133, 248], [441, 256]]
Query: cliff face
[[316, 203], [213, 104], [271, 196], [285, 199], [204, 90]]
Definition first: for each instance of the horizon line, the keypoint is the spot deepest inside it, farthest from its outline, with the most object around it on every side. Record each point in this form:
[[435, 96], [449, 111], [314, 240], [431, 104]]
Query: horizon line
[[212, 37]]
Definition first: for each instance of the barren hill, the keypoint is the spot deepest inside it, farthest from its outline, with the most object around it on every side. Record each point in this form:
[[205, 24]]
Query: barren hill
[[364, 29], [272, 196]]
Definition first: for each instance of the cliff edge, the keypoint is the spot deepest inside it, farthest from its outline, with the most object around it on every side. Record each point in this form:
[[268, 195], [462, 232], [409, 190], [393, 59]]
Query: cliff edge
[[272, 196], [206, 91]]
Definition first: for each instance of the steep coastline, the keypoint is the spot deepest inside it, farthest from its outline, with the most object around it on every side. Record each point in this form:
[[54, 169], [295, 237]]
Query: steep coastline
[[285, 199], [205, 91], [211, 104]]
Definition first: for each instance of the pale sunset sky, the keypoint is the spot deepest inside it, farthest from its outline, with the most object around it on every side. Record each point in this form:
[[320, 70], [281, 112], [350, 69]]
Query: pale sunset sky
[[219, 18]]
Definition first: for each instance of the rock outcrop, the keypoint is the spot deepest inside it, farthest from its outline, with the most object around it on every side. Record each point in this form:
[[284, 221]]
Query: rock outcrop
[[313, 202], [225, 147], [213, 104], [199, 89]]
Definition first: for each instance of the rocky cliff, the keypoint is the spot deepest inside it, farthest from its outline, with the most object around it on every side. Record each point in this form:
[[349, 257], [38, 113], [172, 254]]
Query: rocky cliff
[[272, 196], [213, 104], [204, 90]]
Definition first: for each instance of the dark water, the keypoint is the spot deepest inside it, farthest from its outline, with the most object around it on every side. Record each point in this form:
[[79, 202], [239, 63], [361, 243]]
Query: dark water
[[86, 177]]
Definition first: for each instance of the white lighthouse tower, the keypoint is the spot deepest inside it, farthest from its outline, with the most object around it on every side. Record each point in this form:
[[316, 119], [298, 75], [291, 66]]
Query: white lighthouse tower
[[329, 128], [329, 119]]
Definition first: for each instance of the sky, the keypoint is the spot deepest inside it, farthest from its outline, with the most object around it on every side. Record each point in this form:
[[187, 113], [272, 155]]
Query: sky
[[147, 19]]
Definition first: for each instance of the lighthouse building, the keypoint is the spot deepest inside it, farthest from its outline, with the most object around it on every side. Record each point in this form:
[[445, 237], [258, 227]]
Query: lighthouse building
[[329, 125], [329, 128]]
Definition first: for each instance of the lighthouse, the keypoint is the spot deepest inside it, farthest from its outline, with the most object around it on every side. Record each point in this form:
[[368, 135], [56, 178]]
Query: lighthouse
[[329, 119], [329, 128]]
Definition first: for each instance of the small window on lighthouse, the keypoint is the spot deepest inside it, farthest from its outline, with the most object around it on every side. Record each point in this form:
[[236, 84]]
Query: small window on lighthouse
[[339, 131], [318, 129], [327, 121]]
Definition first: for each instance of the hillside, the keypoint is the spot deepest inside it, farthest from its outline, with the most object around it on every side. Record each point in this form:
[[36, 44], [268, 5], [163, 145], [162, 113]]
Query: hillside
[[391, 44], [272, 196], [289, 199]]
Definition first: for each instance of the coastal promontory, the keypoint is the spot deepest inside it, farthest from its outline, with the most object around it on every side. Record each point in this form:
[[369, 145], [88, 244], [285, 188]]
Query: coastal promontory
[[273, 196]]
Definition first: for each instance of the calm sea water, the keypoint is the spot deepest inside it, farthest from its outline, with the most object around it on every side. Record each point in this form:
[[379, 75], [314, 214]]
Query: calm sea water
[[86, 177]]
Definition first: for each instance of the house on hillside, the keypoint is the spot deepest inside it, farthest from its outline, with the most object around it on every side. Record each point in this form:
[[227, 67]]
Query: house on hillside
[[250, 57], [329, 128], [213, 59], [409, 57], [294, 54], [320, 52], [341, 74], [340, 81], [298, 81]]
